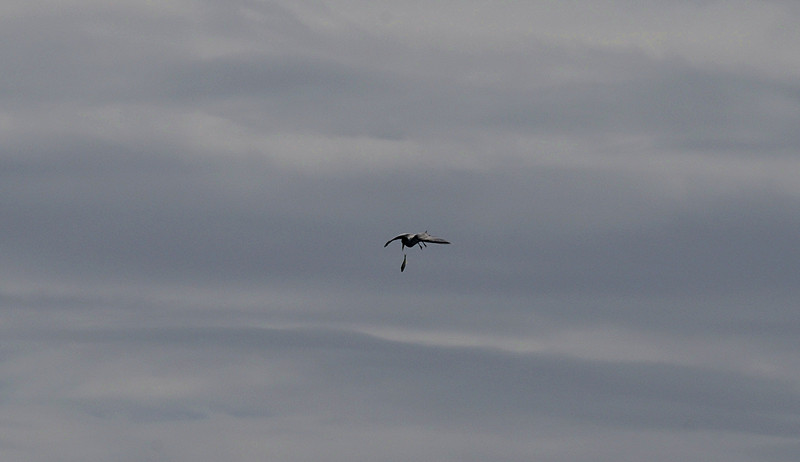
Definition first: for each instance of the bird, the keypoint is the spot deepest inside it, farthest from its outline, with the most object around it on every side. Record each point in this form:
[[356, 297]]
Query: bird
[[410, 240]]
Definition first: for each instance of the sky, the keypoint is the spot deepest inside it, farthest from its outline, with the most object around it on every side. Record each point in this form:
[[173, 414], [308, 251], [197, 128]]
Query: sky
[[195, 194]]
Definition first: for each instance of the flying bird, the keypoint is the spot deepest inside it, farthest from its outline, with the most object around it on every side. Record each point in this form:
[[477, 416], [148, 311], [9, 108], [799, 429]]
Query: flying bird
[[410, 240]]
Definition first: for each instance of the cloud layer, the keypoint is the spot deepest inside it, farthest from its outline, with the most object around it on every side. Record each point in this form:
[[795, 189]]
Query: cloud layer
[[194, 198]]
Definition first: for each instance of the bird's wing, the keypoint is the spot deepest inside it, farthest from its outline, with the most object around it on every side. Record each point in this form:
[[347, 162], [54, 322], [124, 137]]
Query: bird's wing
[[425, 237], [394, 239]]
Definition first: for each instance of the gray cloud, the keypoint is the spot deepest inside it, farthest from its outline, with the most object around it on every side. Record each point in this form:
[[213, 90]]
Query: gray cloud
[[354, 381], [194, 200]]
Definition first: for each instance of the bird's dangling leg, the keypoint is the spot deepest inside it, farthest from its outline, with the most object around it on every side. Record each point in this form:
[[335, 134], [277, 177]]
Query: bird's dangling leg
[[403, 266]]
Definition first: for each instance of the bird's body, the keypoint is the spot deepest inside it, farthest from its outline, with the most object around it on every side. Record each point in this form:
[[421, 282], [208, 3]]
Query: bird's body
[[410, 240]]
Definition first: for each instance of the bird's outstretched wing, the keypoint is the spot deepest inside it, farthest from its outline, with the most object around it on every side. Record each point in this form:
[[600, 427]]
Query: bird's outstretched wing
[[395, 238], [425, 237]]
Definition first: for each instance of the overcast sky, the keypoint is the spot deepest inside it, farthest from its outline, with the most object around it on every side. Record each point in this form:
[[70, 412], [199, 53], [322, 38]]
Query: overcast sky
[[194, 198]]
